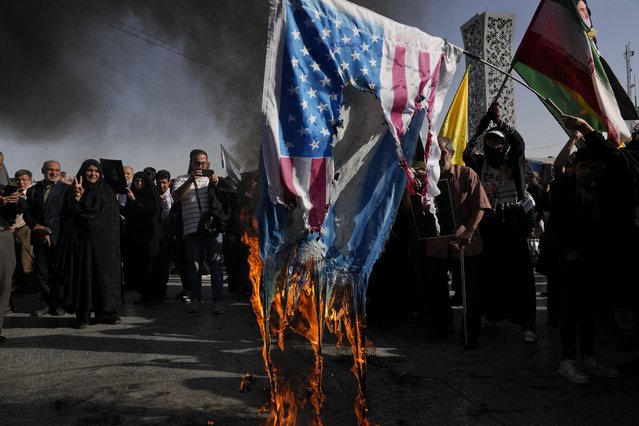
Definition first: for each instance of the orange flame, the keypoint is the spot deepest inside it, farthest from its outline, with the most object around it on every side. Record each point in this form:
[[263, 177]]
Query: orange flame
[[246, 383], [295, 319], [343, 316]]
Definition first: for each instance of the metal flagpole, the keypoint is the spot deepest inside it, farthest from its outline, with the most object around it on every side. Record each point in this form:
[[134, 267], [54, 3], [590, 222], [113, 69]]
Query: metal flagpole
[[503, 84], [508, 75], [463, 287]]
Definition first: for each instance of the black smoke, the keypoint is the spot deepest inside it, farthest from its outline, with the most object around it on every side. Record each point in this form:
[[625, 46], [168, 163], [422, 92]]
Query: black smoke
[[139, 72], [105, 70]]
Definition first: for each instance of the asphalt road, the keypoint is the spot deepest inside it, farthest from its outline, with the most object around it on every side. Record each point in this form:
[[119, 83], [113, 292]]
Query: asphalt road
[[163, 366]]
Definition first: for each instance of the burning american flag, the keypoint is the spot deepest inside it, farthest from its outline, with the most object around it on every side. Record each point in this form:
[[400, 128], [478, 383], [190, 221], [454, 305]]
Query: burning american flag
[[347, 93]]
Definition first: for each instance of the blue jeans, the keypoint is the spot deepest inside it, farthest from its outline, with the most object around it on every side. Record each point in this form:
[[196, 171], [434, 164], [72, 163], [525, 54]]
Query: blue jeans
[[198, 248]]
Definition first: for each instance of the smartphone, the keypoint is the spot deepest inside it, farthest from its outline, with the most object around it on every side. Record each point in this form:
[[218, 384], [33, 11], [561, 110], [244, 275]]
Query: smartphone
[[8, 190], [207, 173]]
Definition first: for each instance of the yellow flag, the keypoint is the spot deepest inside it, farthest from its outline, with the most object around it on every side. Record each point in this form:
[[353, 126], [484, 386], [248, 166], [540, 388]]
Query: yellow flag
[[455, 124]]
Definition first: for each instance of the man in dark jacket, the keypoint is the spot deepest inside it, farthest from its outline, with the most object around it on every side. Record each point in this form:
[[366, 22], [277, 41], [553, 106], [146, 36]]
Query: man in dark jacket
[[619, 193], [44, 215]]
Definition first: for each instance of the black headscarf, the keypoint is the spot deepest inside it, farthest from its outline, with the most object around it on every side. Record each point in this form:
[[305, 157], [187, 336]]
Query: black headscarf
[[95, 195], [83, 169], [147, 191]]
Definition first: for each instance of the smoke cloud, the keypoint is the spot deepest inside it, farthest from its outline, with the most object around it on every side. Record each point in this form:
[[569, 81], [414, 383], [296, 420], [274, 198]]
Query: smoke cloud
[[140, 73], [99, 77]]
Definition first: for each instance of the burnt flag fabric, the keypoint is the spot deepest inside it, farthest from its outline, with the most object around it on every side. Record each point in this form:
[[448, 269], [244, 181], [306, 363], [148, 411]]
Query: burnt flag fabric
[[347, 94], [558, 59]]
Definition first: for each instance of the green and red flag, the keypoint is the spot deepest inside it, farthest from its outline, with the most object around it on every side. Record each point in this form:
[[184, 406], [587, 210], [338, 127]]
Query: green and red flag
[[559, 60]]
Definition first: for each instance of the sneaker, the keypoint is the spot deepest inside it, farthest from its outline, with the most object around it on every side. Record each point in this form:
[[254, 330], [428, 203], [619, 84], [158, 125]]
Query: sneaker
[[109, 319], [42, 310], [183, 296], [112, 320], [218, 307], [530, 338], [193, 307], [57, 312], [595, 367], [573, 370], [81, 324]]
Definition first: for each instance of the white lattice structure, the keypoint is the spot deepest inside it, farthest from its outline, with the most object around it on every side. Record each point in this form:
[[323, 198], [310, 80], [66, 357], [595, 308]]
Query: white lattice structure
[[489, 35]]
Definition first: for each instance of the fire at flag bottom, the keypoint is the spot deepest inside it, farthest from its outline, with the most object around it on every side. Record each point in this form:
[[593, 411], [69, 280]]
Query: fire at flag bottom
[[347, 94]]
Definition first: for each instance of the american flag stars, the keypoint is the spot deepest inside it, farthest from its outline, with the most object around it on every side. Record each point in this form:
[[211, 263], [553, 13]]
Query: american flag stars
[[326, 50], [316, 48]]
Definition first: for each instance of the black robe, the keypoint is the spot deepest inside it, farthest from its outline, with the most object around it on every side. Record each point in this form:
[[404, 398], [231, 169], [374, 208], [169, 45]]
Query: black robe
[[89, 257], [619, 194], [141, 242]]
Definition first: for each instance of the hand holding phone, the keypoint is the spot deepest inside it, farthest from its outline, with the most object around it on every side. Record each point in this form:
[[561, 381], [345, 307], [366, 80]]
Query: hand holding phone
[[9, 189]]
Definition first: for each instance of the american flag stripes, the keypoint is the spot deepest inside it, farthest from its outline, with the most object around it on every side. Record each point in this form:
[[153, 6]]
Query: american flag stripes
[[317, 48], [346, 92]]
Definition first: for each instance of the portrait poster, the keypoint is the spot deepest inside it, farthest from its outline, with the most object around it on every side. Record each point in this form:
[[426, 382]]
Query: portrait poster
[[114, 175]]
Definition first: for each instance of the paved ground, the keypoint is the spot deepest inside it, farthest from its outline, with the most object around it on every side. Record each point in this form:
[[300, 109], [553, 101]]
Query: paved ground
[[162, 366]]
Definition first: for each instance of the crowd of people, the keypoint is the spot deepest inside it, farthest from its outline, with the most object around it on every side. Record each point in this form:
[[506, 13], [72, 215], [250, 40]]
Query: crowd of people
[[82, 243], [586, 217]]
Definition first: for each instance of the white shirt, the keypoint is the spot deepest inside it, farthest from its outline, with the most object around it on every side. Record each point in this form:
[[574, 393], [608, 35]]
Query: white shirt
[[191, 211]]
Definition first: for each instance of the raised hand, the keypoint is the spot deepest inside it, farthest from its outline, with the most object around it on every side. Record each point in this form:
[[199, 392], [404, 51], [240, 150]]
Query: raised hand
[[129, 194], [493, 113], [10, 199], [576, 123], [483, 123], [78, 189], [214, 179]]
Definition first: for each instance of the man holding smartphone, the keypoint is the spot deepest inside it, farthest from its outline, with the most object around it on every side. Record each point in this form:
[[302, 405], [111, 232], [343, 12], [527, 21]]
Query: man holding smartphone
[[193, 191]]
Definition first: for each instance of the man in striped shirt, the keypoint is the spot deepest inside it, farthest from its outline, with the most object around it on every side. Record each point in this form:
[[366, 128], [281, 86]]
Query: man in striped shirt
[[193, 191]]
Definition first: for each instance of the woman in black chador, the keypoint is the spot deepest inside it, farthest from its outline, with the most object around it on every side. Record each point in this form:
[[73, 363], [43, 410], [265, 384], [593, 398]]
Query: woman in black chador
[[141, 243], [90, 249]]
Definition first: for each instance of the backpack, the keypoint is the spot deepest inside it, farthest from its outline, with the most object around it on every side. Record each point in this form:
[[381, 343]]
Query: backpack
[[222, 199]]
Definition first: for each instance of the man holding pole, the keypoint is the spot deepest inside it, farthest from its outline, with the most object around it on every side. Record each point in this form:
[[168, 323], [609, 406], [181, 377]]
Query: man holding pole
[[469, 201], [508, 280]]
